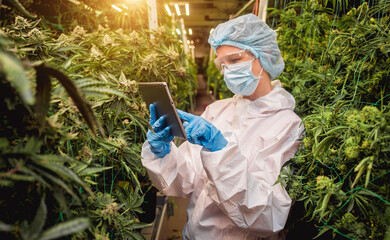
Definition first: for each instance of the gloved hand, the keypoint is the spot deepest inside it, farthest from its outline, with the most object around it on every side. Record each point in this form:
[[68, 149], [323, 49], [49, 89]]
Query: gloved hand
[[160, 139], [200, 131]]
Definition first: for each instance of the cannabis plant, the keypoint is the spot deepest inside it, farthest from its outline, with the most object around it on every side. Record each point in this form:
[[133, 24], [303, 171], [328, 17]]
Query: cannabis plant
[[34, 178], [76, 138], [338, 72]]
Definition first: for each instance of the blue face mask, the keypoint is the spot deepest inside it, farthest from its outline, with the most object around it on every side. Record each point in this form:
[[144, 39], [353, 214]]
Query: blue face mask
[[240, 79]]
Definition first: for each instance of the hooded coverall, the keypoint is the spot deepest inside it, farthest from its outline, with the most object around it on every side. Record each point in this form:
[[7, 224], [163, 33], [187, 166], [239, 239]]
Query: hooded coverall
[[232, 191]]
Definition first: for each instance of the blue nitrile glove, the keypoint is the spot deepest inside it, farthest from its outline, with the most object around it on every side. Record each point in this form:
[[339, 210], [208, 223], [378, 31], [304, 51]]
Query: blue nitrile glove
[[160, 139], [200, 131]]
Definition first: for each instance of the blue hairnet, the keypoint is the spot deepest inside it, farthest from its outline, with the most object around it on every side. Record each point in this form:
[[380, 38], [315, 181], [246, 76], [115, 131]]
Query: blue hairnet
[[250, 32]]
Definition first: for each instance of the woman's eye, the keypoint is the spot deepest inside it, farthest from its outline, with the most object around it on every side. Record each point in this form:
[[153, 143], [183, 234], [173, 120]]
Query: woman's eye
[[234, 60]]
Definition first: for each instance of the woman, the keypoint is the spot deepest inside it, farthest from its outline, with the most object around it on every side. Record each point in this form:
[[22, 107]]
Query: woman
[[236, 149]]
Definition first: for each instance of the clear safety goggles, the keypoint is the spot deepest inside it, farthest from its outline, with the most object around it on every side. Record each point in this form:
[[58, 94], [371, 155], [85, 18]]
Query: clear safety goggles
[[223, 61]]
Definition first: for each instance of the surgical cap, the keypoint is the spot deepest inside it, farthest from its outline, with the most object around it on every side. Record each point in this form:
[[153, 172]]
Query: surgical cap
[[250, 32]]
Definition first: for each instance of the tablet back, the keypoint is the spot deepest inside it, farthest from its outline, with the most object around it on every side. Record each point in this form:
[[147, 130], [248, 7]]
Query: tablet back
[[158, 94]]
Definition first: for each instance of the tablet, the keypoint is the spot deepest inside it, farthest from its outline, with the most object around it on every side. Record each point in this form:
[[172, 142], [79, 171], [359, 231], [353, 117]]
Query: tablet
[[158, 94]]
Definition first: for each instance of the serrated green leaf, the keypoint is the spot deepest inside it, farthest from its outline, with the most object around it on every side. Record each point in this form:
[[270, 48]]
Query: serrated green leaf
[[89, 171], [39, 220], [17, 77], [6, 183], [68, 62], [90, 83], [335, 131], [90, 182], [33, 145], [324, 230], [59, 182], [17, 177], [64, 172], [22, 10], [136, 235], [351, 205], [33, 231], [66, 228], [66, 48], [82, 104], [78, 66], [4, 143], [106, 91], [56, 158], [6, 227], [323, 145], [140, 225]]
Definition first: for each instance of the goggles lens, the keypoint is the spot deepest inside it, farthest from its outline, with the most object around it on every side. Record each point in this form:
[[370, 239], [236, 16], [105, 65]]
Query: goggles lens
[[231, 58]]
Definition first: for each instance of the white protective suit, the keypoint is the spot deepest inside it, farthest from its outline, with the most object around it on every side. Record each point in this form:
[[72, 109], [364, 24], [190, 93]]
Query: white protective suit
[[232, 192]]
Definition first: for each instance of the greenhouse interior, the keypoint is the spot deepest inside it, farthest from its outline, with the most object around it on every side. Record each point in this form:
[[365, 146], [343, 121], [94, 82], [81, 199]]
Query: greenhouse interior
[[76, 131]]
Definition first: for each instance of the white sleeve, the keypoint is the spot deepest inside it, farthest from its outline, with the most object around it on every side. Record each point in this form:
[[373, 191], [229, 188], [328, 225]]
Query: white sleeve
[[175, 174], [244, 188]]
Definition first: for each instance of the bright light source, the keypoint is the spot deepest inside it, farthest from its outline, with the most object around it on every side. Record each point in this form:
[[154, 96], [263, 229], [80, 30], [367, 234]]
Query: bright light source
[[124, 6], [168, 10], [211, 30], [187, 9], [178, 31], [190, 31], [74, 2], [184, 31], [188, 41], [126, 13], [116, 8], [177, 9]]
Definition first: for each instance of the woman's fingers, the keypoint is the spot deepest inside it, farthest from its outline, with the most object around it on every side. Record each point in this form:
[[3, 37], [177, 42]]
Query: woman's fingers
[[153, 114], [185, 116], [159, 124], [167, 134], [194, 131]]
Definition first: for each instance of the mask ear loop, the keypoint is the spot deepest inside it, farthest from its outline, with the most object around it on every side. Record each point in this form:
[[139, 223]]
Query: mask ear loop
[[222, 68], [258, 77], [260, 72]]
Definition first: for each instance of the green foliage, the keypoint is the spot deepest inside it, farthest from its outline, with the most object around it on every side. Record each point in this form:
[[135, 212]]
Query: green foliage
[[17, 5], [72, 180], [337, 68]]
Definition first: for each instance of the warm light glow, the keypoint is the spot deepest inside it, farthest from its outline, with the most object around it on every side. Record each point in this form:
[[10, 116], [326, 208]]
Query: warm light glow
[[190, 31], [187, 9], [178, 31], [177, 9], [168, 10], [188, 41], [116, 8], [74, 2], [184, 31], [211, 30], [124, 6]]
